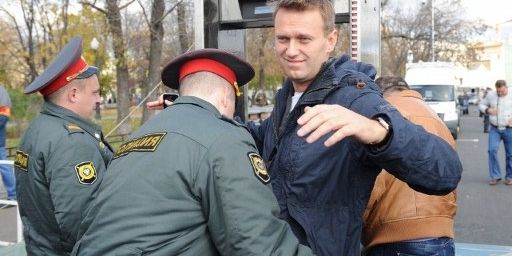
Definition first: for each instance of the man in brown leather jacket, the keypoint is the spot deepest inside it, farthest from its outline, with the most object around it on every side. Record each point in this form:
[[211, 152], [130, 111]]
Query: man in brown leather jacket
[[398, 219]]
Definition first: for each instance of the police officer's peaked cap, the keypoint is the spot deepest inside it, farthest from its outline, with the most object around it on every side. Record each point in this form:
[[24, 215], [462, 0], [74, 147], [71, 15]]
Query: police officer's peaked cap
[[226, 65], [68, 65]]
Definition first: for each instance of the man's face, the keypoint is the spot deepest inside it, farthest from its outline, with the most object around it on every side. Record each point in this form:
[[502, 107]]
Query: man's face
[[88, 96], [502, 91], [301, 44]]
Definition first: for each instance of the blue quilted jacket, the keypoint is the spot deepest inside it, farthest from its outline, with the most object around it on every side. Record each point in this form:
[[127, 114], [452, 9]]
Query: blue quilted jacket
[[322, 192]]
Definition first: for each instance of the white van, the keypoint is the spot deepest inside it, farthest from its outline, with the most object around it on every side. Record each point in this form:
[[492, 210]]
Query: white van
[[437, 82]]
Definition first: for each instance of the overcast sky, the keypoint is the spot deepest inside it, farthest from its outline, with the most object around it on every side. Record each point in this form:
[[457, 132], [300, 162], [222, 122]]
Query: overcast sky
[[492, 11]]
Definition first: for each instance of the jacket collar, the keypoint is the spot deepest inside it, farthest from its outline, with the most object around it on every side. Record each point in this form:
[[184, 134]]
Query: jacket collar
[[411, 93], [52, 109], [192, 100]]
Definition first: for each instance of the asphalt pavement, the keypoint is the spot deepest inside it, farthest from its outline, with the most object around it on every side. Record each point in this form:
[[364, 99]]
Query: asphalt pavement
[[484, 214]]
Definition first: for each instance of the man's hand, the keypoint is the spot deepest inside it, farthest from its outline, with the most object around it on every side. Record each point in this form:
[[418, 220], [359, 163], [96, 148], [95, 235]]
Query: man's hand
[[322, 119], [492, 111], [158, 104]]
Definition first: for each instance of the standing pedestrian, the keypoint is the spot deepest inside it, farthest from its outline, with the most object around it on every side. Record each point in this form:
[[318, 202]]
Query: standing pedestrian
[[62, 156], [485, 115], [498, 105], [464, 102], [5, 169]]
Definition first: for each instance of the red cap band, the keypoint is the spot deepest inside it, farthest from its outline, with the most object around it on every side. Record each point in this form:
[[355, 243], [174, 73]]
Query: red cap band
[[209, 65], [71, 73]]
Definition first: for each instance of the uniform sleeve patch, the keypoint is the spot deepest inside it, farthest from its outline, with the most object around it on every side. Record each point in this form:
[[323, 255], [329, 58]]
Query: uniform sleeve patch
[[259, 168], [146, 143], [85, 172], [21, 160]]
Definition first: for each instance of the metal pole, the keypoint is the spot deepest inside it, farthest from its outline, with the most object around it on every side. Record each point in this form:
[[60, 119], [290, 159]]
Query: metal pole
[[432, 43], [198, 24]]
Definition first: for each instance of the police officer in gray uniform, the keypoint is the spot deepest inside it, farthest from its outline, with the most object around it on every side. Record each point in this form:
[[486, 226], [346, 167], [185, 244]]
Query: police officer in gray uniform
[[62, 155], [190, 181]]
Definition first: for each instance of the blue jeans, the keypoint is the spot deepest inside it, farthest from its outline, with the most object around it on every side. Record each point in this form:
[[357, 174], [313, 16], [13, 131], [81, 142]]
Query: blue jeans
[[7, 176], [495, 137], [443, 246]]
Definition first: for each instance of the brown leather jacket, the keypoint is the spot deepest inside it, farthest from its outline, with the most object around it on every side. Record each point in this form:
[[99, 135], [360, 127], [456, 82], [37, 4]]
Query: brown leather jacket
[[396, 212]]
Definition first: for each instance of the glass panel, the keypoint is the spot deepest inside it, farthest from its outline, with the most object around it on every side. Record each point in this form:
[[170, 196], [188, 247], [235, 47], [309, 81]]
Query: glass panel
[[435, 92]]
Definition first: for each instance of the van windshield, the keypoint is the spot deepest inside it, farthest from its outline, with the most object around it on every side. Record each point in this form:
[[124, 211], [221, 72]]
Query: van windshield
[[435, 92]]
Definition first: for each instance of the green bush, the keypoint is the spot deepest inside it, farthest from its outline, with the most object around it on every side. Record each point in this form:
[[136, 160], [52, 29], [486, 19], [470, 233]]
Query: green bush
[[24, 108]]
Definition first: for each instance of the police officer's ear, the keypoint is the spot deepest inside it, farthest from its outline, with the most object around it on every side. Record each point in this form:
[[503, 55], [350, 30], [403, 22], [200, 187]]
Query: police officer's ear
[[72, 92], [226, 97]]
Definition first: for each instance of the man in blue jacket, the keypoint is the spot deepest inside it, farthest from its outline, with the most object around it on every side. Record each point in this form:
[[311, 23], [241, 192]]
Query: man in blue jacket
[[331, 133]]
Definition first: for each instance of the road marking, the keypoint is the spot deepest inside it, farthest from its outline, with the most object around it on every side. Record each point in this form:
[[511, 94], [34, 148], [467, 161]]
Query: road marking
[[468, 140]]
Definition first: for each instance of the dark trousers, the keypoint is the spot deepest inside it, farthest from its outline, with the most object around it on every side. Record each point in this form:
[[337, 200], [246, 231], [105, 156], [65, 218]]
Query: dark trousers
[[443, 246], [486, 123]]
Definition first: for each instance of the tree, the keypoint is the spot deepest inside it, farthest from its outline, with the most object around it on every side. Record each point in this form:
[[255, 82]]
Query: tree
[[156, 30], [26, 42], [406, 27], [156, 34], [261, 55], [12, 72], [183, 22], [113, 14]]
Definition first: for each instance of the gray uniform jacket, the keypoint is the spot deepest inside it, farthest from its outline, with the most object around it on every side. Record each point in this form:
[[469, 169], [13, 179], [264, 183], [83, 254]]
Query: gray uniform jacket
[[59, 164], [189, 182]]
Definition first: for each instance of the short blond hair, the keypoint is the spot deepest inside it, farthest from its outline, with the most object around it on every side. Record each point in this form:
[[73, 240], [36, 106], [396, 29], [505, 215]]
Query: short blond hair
[[203, 84], [55, 96], [391, 83]]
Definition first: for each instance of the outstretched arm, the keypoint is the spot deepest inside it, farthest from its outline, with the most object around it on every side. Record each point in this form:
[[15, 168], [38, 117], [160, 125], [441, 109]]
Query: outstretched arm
[[158, 104], [319, 120]]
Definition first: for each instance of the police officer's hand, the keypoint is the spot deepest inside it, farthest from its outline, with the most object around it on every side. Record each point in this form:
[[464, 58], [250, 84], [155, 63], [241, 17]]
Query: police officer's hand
[[319, 120], [158, 104]]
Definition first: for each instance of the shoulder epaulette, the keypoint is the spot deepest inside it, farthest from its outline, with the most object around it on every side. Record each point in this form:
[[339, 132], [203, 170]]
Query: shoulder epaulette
[[72, 128]]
